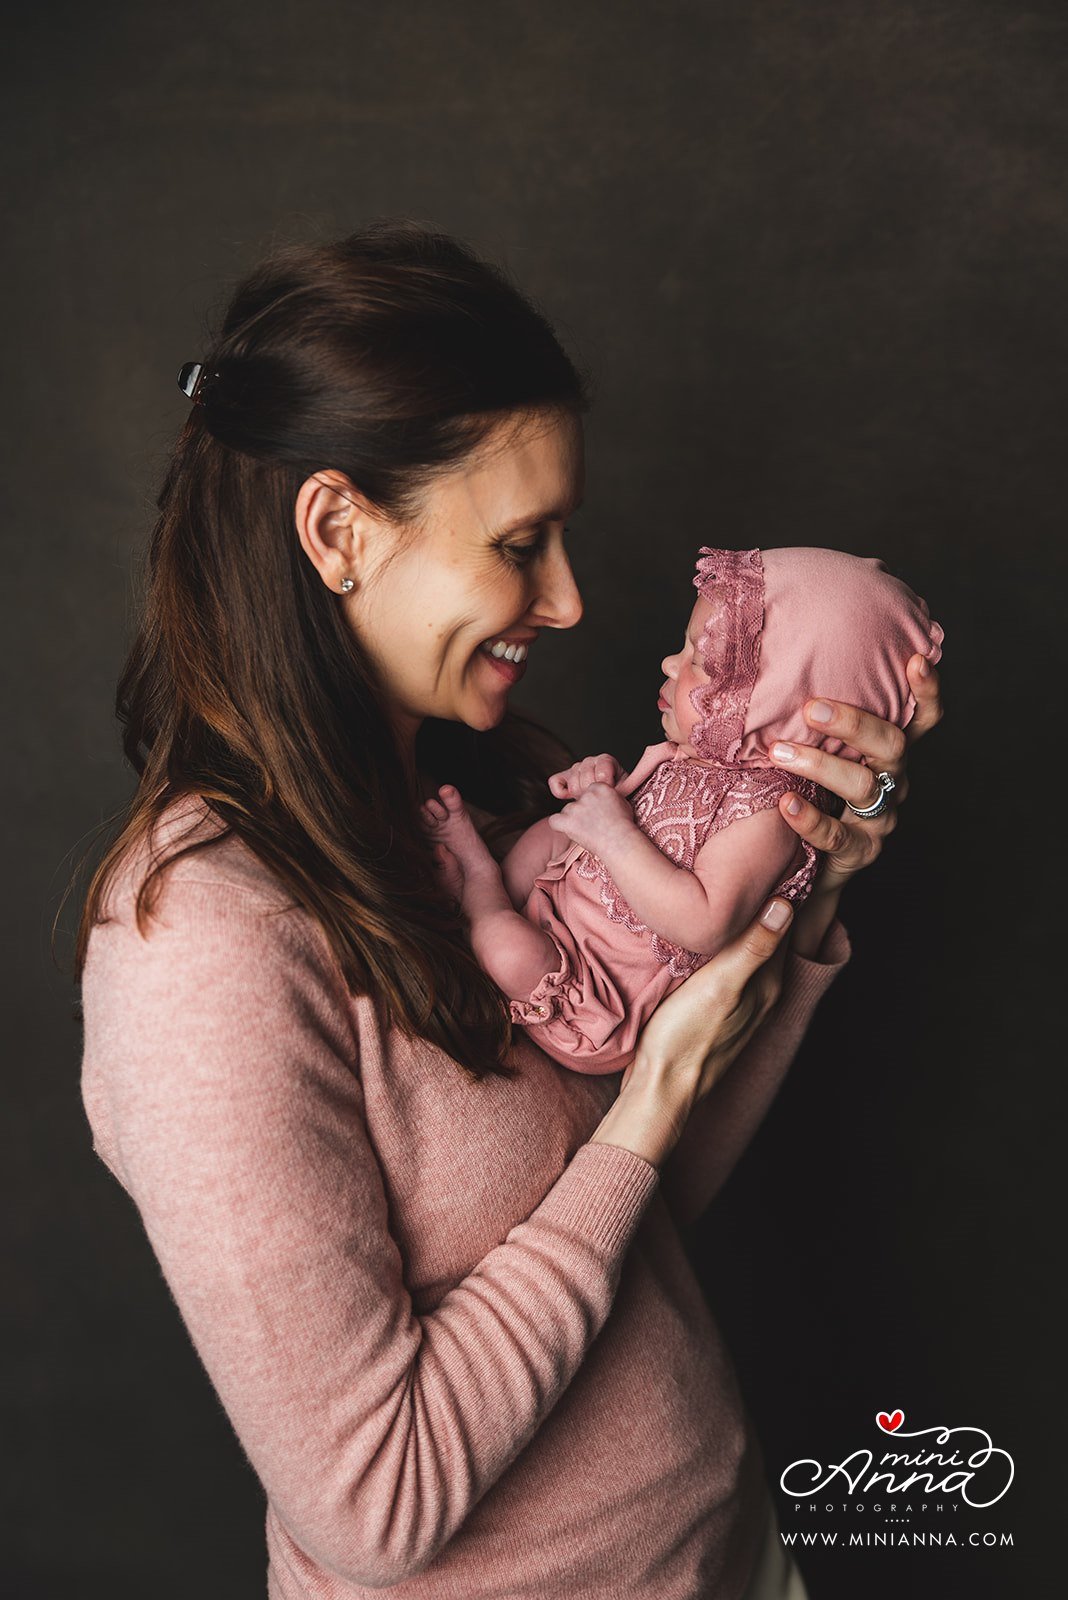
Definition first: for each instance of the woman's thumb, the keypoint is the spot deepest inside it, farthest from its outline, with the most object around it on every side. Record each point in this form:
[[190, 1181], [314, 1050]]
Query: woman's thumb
[[766, 933]]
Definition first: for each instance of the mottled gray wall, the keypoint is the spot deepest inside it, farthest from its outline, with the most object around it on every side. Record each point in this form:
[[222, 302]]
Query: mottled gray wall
[[816, 256]]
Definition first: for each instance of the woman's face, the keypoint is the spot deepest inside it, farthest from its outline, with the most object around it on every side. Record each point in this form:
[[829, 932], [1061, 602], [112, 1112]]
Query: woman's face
[[486, 570], [684, 672]]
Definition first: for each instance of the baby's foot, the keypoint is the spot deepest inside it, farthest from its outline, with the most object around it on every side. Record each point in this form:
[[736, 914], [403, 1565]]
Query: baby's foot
[[449, 871], [463, 860]]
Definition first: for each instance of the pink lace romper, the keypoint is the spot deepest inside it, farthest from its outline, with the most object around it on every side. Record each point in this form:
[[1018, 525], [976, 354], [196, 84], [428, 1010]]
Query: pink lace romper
[[613, 971], [782, 625]]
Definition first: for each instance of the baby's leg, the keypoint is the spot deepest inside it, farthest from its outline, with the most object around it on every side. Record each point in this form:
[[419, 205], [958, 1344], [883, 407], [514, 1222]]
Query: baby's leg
[[512, 950]]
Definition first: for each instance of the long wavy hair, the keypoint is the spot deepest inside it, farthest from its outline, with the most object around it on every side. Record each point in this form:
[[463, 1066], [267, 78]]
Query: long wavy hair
[[390, 355]]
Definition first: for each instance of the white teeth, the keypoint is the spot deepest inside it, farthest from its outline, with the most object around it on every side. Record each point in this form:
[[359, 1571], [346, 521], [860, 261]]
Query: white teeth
[[510, 652]]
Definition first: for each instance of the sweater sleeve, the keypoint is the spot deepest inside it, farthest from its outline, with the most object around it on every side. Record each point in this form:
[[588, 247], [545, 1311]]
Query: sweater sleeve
[[722, 1124], [224, 1093]]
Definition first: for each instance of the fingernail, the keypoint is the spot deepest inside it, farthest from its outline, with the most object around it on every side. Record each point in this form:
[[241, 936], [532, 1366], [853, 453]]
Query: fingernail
[[783, 752], [793, 805], [776, 915], [925, 668], [820, 711]]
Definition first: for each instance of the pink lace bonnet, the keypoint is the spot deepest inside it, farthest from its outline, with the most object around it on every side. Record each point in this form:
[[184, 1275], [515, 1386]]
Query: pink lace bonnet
[[787, 625]]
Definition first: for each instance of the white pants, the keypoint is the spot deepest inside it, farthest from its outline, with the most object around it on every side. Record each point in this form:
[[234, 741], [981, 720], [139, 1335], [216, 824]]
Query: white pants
[[775, 1576]]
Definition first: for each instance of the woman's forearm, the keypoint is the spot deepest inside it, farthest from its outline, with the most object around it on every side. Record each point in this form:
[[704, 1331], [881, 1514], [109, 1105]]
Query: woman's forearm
[[658, 1107], [650, 1113], [813, 920], [723, 1123]]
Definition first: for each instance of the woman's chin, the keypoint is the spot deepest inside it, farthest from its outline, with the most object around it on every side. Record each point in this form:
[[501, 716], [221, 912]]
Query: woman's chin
[[484, 713]]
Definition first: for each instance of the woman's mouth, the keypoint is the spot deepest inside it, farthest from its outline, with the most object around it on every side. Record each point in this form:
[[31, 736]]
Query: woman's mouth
[[507, 657]]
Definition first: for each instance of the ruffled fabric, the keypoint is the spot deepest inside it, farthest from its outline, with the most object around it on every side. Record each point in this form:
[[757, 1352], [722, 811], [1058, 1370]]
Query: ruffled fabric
[[544, 1000]]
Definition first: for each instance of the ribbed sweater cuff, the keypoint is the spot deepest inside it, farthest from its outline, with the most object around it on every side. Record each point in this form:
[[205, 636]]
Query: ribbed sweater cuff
[[808, 978], [601, 1195]]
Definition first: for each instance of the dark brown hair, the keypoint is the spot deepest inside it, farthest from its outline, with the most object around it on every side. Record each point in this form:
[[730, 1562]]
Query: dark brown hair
[[389, 355]]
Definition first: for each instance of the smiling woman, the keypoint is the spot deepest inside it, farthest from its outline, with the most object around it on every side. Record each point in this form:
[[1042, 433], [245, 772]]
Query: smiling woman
[[399, 403], [442, 606], [399, 1237]]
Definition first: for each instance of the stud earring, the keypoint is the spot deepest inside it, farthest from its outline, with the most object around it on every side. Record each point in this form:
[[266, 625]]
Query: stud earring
[[347, 584]]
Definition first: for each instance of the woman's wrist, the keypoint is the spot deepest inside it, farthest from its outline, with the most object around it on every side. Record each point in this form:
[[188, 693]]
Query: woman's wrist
[[813, 921], [650, 1111]]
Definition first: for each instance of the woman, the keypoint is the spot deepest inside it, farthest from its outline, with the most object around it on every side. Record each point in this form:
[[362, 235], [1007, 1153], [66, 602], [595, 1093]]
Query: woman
[[435, 1279]]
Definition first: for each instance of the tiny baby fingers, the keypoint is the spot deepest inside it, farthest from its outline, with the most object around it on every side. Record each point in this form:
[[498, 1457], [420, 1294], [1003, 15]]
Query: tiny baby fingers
[[567, 784], [582, 775]]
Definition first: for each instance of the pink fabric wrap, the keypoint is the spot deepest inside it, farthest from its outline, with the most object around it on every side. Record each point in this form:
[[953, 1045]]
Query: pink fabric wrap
[[784, 626], [612, 970], [788, 625]]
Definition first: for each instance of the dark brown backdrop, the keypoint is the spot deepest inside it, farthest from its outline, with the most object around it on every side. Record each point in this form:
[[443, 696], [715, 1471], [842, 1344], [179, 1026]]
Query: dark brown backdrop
[[816, 257]]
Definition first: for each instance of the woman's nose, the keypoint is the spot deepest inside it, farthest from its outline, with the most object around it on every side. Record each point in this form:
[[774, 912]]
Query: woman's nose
[[668, 665], [560, 604]]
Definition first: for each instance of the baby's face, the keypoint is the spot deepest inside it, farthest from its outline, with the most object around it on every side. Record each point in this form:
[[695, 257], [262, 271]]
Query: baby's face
[[684, 672]]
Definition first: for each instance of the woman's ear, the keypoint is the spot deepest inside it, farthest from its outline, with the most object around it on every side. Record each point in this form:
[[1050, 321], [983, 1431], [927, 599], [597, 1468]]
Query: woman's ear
[[333, 522]]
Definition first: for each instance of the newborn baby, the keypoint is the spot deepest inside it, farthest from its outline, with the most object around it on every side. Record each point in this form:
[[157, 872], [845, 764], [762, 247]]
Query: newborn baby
[[601, 909]]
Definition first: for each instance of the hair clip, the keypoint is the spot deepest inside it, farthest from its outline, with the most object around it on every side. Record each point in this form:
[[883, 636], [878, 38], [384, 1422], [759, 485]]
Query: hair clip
[[191, 381]]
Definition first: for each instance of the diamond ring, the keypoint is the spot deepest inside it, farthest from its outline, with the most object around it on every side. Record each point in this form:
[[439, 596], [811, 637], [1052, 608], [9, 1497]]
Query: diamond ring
[[886, 783]]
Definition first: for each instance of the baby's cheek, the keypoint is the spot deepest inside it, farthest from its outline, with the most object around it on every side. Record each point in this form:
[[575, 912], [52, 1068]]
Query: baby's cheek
[[686, 716]]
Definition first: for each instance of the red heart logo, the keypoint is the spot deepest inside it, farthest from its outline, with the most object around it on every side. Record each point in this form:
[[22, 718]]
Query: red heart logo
[[890, 1424]]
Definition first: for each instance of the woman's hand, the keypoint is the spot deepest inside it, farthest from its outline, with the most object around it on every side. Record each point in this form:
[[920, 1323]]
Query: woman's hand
[[577, 778], [849, 842], [693, 1036]]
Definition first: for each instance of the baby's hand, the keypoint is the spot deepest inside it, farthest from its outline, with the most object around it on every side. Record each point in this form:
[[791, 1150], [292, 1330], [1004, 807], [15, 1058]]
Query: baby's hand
[[576, 779], [600, 819]]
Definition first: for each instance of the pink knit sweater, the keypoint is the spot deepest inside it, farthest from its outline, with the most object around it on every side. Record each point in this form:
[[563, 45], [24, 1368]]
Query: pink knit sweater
[[461, 1346]]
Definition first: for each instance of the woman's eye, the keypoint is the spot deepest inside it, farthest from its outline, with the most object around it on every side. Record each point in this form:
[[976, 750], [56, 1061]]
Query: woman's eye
[[520, 554]]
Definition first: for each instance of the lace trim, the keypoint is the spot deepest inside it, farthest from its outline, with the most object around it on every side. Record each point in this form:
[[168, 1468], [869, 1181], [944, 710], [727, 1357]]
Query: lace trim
[[732, 581], [678, 807]]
